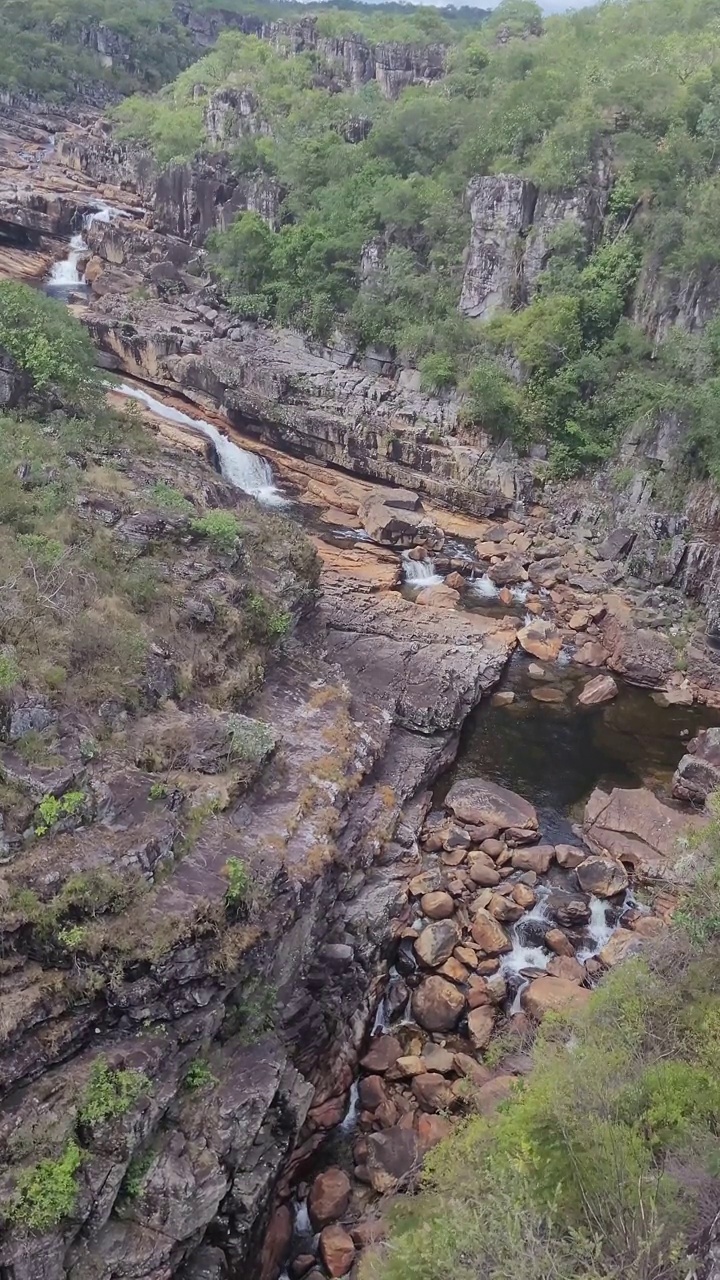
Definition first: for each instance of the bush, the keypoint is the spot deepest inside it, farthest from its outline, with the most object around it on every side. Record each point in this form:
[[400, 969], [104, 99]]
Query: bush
[[48, 343], [221, 528], [199, 1076], [48, 1192], [52, 810], [163, 495], [9, 671], [239, 883], [110, 1092]]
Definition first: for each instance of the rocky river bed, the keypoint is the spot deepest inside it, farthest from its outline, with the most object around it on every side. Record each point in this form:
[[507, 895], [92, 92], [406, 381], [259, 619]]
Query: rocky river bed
[[472, 794]]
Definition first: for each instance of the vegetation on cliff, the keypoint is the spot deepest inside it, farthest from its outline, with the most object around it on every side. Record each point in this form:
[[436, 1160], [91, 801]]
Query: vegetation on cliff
[[631, 89], [603, 1165]]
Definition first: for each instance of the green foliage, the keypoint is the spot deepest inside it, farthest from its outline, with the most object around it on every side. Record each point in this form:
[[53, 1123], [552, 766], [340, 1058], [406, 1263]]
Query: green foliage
[[163, 495], [250, 740], [110, 1092], [52, 809], [158, 791], [135, 1175], [47, 1192], [221, 528], [73, 937], [268, 622], [48, 343], [239, 883], [9, 671], [199, 1076]]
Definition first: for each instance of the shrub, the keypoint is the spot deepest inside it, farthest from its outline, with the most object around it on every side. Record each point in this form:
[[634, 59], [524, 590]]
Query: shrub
[[221, 528], [52, 810], [9, 671], [48, 343], [47, 1193], [199, 1076], [239, 883], [268, 622], [163, 495], [437, 372], [135, 1175], [110, 1092]]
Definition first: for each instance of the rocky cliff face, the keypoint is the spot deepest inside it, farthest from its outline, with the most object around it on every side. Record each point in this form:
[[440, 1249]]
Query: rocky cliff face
[[350, 60], [513, 222]]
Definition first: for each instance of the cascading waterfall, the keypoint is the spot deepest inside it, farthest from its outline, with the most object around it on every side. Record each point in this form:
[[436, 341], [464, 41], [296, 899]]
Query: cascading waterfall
[[599, 931], [247, 471], [64, 277], [420, 573]]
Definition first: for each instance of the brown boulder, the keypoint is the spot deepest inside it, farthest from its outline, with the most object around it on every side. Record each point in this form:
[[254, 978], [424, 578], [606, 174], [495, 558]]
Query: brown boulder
[[490, 1095], [489, 934], [336, 1250], [437, 905], [566, 967], [329, 1197], [484, 876], [569, 856], [621, 944], [558, 942], [432, 1091], [524, 896], [541, 639], [481, 1023], [505, 909], [475, 1072], [478, 802], [552, 995], [590, 654], [431, 1130], [436, 943], [602, 876], [439, 596], [384, 1051], [636, 828], [546, 693], [393, 1157], [600, 689], [437, 1004], [537, 859]]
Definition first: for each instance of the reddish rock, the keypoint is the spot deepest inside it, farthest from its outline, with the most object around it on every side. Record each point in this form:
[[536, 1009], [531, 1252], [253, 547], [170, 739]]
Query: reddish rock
[[524, 896], [698, 773], [484, 876], [552, 995], [454, 970], [432, 1091], [569, 856], [566, 967], [276, 1242], [505, 909], [431, 1129], [478, 802], [409, 1065], [621, 944], [649, 926], [602, 876], [473, 1071], [425, 882], [437, 1004], [637, 829], [541, 639], [438, 1059], [393, 1157], [590, 654], [336, 1250], [547, 693], [329, 1197], [536, 858], [490, 1095], [598, 690], [437, 905], [372, 1092], [383, 1052], [301, 1265], [436, 943], [481, 1023]]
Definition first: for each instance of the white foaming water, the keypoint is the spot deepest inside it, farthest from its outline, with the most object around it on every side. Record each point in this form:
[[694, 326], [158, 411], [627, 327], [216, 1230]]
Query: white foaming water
[[349, 1120], [64, 276], [247, 471], [420, 573], [599, 930], [302, 1225], [520, 594], [484, 587]]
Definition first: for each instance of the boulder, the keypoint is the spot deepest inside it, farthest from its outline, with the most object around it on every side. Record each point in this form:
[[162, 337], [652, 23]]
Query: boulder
[[566, 967], [619, 946], [559, 943], [329, 1197], [637, 829], [481, 1023], [490, 1095], [489, 934], [484, 876], [590, 654], [617, 544], [437, 905], [438, 1059], [552, 995], [537, 859], [698, 773], [475, 1072], [383, 1053], [600, 689], [393, 1156], [546, 693], [479, 803], [336, 1250], [437, 1004], [602, 876], [569, 856], [432, 1091], [540, 638], [395, 527], [570, 910], [439, 596], [431, 1130], [436, 943]]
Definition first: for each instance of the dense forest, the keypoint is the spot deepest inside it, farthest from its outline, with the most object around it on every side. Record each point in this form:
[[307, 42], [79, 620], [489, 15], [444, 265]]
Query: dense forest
[[634, 86]]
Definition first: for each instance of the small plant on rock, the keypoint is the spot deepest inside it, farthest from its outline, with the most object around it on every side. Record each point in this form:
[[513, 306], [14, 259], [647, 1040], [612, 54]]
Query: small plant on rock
[[111, 1091], [158, 791], [52, 810], [221, 528], [238, 878], [199, 1076], [163, 495], [47, 1192]]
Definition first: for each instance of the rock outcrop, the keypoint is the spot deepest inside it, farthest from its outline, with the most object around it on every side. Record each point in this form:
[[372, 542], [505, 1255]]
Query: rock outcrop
[[698, 774], [641, 832]]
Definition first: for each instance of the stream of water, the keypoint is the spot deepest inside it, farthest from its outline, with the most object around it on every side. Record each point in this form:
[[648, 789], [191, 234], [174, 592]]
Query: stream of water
[[65, 277]]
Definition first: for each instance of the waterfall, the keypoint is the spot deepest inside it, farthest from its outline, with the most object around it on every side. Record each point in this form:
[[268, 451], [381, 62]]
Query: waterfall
[[420, 573], [64, 277], [349, 1120], [247, 471], [484, 587], [598, 929]]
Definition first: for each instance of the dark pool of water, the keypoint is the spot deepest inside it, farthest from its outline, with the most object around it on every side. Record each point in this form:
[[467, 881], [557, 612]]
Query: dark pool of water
[[554, 755]]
